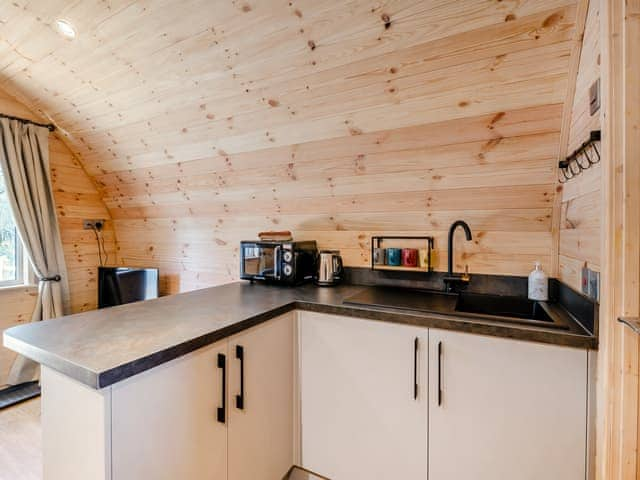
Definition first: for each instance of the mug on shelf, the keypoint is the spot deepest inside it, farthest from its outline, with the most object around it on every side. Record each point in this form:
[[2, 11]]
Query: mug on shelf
[[409, 257], [394, 257], [423, 258], [378, 256]]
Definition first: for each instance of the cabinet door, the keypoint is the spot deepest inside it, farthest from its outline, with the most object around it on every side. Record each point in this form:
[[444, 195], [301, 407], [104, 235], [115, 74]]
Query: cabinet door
[[508, 409], [360, 417], [260, 437], [164, 421]]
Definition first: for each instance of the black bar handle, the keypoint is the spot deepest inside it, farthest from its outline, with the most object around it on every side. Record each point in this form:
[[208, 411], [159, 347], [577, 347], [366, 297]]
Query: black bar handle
[[240, 398], [222, 411], [415, 368], [439, 373]]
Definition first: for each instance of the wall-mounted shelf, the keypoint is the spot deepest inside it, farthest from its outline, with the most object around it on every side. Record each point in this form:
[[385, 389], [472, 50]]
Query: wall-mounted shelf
[[401, 268], [376, 242]]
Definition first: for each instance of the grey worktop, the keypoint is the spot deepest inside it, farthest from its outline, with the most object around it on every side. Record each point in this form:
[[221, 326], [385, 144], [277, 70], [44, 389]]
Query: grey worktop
[[102, 347]]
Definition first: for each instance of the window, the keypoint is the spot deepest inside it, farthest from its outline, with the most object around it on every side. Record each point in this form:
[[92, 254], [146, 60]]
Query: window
[[11, 258]]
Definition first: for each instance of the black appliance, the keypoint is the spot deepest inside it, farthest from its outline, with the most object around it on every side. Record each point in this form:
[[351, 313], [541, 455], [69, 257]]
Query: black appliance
[[284, 262], [119, 285]]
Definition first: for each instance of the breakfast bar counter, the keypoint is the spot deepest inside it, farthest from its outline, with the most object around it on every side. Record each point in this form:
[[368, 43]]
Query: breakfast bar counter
[[103, 347]]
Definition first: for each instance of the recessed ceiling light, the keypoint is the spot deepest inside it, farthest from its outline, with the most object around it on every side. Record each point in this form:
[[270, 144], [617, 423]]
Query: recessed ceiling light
[[65, 28]]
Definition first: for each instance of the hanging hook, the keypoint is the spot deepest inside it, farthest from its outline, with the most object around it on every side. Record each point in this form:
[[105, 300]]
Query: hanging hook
[[562, 165], [595, 148], [583, 151], [561, 176], [586, 154], [579, 167], [564, 173]]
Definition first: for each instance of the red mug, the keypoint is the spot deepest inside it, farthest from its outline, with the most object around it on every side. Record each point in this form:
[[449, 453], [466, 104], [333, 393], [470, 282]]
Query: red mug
[[409, 257]]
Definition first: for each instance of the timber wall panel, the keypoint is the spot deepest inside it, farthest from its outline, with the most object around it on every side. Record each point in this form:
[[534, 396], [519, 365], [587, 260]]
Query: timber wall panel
[[335, 119], [580, 230]]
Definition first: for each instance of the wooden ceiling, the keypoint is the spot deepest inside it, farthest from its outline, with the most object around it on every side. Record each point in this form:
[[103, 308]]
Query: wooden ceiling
[[264, 112]]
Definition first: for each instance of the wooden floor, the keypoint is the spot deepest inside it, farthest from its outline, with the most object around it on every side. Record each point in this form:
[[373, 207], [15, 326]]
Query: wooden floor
[[21, 442]]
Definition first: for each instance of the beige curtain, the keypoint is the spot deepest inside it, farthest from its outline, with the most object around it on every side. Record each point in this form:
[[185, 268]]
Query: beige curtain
[[24, 159]]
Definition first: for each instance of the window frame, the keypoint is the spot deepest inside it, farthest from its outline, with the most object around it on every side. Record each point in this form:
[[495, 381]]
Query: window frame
[[21, 266], [22, 276]]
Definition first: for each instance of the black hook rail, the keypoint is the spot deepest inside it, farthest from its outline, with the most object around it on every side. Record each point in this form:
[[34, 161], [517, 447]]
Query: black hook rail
[[581, 159]]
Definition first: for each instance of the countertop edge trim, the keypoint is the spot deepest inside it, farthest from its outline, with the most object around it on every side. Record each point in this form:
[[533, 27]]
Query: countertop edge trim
[[99, 380], [444, 322], [122, 372], [76, 372]]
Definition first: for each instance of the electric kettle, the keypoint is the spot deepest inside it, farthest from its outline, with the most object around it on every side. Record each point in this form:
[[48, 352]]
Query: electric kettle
[[329, 268]]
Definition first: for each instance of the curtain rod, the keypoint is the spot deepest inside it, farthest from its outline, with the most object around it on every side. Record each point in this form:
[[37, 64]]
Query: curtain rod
[[50, 126]]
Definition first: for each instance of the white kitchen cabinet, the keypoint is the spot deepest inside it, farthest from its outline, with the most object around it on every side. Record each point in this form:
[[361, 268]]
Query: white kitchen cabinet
[[76, 425], [164, 420], [359, 415], [166, 425], [261, 426], [338, 395], [508, 409]]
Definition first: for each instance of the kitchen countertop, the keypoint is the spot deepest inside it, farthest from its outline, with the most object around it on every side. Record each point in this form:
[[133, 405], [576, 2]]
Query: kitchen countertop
[[102, 347]]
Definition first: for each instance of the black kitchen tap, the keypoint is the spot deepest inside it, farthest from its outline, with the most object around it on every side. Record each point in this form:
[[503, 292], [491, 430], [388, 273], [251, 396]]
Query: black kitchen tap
[[452, 280]]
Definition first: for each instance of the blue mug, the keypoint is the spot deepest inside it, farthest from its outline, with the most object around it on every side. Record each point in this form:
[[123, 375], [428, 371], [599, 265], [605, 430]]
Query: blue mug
[[394, 257]]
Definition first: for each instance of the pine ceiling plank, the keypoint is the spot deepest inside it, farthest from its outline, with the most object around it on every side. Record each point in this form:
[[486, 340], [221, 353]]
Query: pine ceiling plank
[[364, 92], [453, 105], [300, 183], [112, 150], [500, 124], [495, 14], [236, 169], [456, 104], [521, 34]]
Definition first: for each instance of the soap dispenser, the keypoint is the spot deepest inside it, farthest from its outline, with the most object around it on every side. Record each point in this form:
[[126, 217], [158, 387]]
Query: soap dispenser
[[538, 284]]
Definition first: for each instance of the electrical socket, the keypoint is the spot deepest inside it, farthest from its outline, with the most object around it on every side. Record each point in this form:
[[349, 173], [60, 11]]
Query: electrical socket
[[590, 283], [594, 285], [90, 224]]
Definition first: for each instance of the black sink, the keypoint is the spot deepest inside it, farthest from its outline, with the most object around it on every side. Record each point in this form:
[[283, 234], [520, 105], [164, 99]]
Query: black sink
[[494, 305], [405, 299], [494, 308]]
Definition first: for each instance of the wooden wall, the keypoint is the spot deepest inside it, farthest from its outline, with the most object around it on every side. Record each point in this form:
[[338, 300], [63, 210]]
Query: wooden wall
[[76, 198], [580, 222], [337, 120], [618, 365], [343, 191]]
